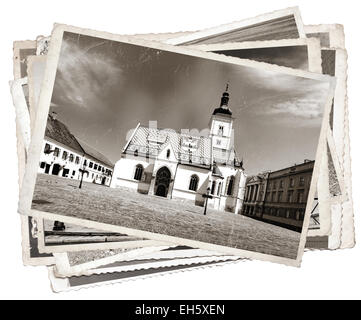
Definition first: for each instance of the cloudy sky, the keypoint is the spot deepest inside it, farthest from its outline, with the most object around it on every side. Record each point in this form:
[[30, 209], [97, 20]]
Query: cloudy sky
[[104, 88]]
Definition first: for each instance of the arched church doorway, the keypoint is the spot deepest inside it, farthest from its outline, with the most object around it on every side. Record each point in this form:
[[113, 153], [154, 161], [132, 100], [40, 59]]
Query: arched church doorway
[[162, 182], [56, 169]]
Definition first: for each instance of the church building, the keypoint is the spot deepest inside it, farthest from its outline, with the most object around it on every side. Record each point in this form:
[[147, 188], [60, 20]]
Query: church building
[[175, 165]]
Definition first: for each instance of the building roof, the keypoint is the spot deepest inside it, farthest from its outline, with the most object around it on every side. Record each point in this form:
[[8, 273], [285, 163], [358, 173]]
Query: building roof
[[58, 131], [188, 149], [91, 152], [223, 107]]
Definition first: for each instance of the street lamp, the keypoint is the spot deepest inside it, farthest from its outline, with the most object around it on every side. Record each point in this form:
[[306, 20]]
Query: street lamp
[[206, 196], [82, 171]]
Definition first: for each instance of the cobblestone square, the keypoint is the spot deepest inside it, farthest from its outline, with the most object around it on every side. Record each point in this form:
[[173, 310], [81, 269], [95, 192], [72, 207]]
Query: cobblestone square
[[159, 215]]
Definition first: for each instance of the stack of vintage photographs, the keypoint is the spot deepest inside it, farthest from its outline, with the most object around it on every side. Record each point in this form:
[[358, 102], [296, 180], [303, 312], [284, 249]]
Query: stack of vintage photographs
[[147, 154]]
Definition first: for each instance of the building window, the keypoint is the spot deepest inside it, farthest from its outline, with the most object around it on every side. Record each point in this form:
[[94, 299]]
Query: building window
[[230, 186], [73, 173], [273, 197], [219, 188], [281, 184], [95, 166], [302, 181], [77, 160], [287, 214], [290, 196], [213, 189], [65, 155], [193, 183], [100, 168], [42, 165], [136, 153], [85, 162], [220, 130], [300, 196], [292, 182], [71, 157], [47, 148], [138, 172], [168, 153], [274, 185], [56, 152], [91, 165], [280, 195]]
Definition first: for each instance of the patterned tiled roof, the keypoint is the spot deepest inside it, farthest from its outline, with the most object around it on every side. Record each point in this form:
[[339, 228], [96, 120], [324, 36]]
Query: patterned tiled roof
[[188, 149]]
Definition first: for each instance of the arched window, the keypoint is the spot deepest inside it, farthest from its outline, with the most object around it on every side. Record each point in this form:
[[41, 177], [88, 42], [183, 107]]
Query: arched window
[[213, 189], [168, 153], [138, 172], [219, 189], [193, 184], [71, 157], [230, 186]]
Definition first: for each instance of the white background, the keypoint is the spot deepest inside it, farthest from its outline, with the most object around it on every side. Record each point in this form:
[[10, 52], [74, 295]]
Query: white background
[[322, 275]]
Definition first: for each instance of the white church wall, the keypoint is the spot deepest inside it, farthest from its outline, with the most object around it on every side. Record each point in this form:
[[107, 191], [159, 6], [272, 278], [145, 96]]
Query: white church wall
[[182, 180], [124, 170]]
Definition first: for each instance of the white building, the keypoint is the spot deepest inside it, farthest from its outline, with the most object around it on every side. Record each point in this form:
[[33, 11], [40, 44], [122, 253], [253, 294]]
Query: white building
[[66, 156], [170, 164]]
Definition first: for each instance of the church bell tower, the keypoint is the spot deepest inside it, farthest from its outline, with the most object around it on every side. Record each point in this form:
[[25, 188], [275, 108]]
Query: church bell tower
[[221, 126]]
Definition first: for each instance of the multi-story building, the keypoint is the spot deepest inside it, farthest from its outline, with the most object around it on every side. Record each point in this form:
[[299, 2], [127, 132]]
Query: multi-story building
[[66, 156], [280, 197]]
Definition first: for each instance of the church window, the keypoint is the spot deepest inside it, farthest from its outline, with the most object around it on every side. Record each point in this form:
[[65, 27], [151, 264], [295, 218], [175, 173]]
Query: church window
[[77, 159], [90, 164], [220, 130], [193, 184], [213, 189], [95, 166], [138, 172], [219, 188], [136, 152], [230, 186], [168, 153], [56, 152], [65, 155], [85, 162], [71, 157], [42, 165], [100, 168]]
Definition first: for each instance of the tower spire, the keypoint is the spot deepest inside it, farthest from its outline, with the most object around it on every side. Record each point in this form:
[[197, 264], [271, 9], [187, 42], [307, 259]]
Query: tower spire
[[225, 97]]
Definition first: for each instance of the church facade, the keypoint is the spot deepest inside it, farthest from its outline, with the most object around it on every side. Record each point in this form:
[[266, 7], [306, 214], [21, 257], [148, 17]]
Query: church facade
[[174, 165]]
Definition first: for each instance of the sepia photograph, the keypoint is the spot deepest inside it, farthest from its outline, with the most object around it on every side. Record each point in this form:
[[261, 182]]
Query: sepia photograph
[[277, 25], [170, 143]]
